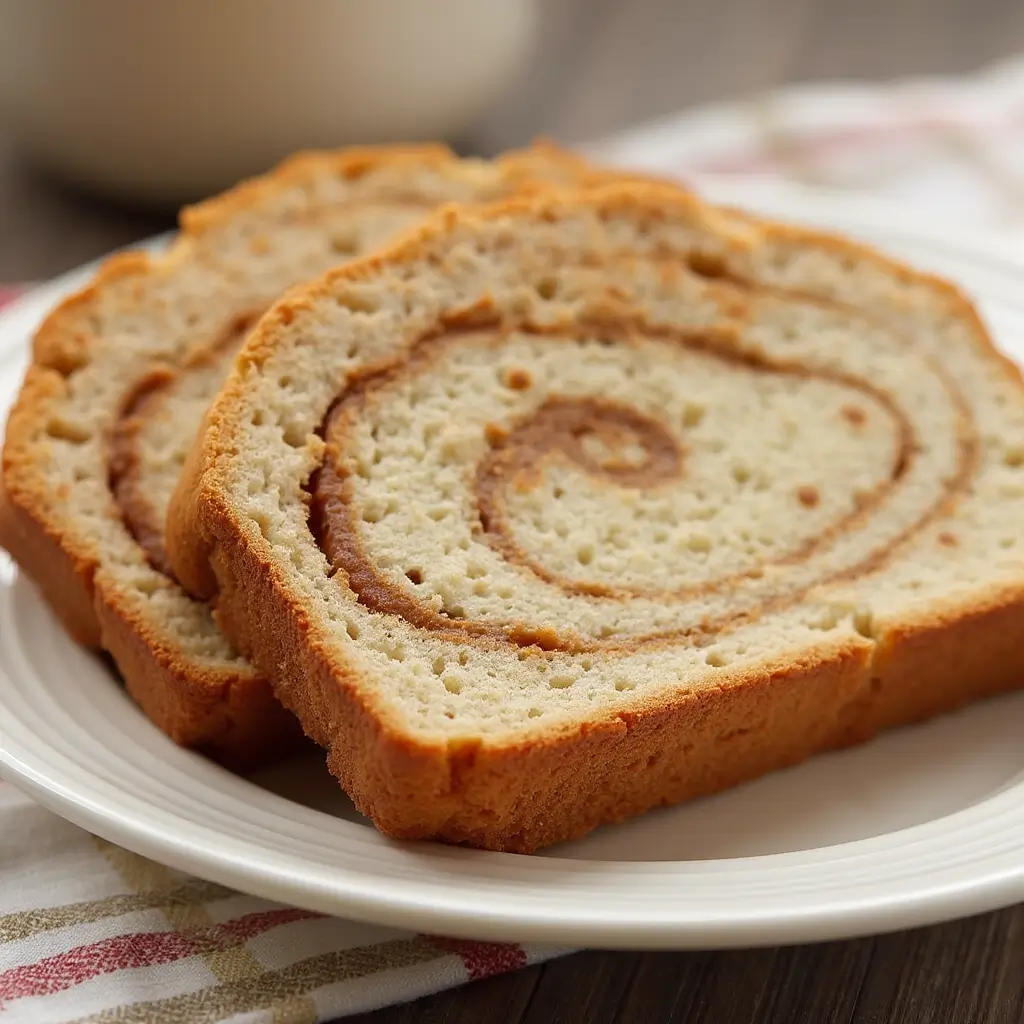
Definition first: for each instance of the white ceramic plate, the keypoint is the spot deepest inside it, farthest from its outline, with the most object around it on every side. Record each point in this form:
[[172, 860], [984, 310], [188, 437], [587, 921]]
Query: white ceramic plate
[[919, 826]]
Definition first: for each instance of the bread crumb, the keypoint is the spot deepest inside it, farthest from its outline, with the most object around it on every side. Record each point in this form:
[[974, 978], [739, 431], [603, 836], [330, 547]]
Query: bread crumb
[[495, 433], [518, 379], [854, 415], [808, 496]]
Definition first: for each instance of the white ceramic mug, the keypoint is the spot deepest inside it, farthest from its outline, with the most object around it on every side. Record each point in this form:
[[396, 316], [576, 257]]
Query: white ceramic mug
[[169, 100]]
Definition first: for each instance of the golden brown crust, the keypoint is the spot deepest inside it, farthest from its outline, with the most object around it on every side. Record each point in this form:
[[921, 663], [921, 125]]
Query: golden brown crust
[[563, 781], [522, 797], [65, 584], [229, 714], [64, 573], [928, 666]]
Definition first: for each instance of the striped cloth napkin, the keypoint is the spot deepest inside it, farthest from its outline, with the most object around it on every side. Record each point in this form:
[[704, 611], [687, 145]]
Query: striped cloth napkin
[[91, 932]]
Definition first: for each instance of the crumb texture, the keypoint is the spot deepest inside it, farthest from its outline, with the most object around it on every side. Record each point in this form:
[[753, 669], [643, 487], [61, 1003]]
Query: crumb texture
[[122, 375], [573, 501]]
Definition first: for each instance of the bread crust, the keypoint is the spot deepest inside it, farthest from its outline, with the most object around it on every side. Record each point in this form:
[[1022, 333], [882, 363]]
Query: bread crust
[[560, 786], [551, 788], [927, 666], [65, 585], [230, 715], [561, 781]]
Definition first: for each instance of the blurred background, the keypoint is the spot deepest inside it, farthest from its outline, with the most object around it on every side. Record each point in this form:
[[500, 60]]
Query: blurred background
[[113, 111]]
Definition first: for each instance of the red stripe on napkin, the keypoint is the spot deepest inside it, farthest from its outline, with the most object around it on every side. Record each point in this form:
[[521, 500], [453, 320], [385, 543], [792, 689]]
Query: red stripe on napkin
[[137, 949], [8, 293], [483, 959]]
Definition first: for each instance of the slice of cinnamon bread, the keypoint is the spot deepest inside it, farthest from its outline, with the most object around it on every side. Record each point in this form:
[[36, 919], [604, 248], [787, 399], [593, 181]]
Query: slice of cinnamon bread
[[579, 506], [120, 377]]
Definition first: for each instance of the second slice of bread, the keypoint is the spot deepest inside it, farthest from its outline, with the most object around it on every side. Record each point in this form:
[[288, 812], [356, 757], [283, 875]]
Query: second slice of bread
[[585, 505], [121, 374]]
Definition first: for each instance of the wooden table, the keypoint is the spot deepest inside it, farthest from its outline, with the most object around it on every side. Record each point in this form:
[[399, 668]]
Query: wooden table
[[599, 65]]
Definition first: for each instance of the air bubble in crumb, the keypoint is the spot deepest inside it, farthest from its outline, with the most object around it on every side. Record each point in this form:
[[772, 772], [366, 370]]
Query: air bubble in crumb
[[827, 619], [452, 685], [438, 665], [808, 496], [854, 415], [518, 378], [535, 713], [863, 621], [65, 430], [624, 684], [355, 303], [294, 436], [693, 413], [547, 288], [560, 681], [353, 630], [716, 659], [345, 243]]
